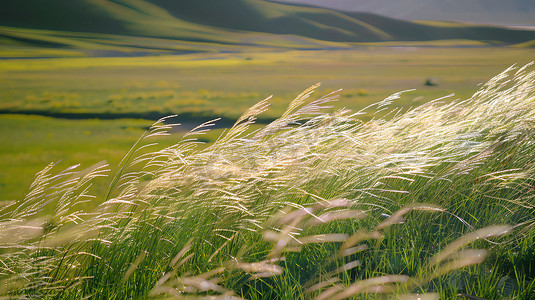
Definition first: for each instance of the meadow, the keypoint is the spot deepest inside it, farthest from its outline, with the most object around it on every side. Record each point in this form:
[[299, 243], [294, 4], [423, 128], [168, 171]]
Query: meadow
[[415, 199], [203, 86]]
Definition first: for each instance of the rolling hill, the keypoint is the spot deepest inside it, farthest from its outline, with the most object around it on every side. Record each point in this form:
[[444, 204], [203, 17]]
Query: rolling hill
[[497, 12], [122, 17], [227, 22]]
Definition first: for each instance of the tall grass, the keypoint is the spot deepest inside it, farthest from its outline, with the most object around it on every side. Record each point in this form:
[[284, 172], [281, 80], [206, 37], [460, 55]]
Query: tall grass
[[317, 204]]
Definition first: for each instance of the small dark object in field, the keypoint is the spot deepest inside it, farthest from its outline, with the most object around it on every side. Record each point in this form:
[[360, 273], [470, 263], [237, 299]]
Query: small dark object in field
[[431, 81]]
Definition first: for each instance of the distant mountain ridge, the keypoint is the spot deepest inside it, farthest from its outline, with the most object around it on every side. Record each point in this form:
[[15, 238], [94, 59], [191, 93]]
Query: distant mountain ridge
[[497, 12], [233, 21]]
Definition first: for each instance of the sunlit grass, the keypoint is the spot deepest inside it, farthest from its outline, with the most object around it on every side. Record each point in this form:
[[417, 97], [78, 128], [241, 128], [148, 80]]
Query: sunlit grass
[[434, 202], [95, 88]]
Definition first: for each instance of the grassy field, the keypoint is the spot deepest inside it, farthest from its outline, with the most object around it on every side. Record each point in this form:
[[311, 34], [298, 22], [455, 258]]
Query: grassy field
[[436, 202], [227, 84], [31, 142], [200, 87], [158, 149]]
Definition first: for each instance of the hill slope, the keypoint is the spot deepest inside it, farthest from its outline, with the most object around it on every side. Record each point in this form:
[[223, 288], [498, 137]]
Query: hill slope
[[499, 12], [124, 17], [233, 21], [263, 16], [65, 15]]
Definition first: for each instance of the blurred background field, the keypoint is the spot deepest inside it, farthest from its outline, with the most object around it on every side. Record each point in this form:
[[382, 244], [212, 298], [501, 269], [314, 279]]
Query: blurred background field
[[86, 98]]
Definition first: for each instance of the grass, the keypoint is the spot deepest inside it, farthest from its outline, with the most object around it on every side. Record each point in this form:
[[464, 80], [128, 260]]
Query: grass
[[192, 85], [42, 140], [317, 204], [172, 84], [35, 141]]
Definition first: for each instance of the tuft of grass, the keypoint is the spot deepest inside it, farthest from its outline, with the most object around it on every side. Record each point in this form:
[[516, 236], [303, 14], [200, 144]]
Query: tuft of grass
[[435, 202]]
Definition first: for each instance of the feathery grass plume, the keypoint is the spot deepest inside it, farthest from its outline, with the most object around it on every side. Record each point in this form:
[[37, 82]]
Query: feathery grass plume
[[27, 255], [331, 287], [316, 204]]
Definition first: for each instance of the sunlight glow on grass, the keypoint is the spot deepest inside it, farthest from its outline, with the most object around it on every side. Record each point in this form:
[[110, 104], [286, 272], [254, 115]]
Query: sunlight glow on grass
[[317, 204]]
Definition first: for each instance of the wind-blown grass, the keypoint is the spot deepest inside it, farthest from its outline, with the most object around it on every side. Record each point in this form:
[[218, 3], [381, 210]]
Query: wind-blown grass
[[317, 204]]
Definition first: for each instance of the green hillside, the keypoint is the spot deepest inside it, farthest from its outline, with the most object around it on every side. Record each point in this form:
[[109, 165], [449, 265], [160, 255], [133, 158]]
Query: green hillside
[[325, 24], [65, 15], [426, 31], [496, 12], [225, 22], [122, 17], [262, 16]]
